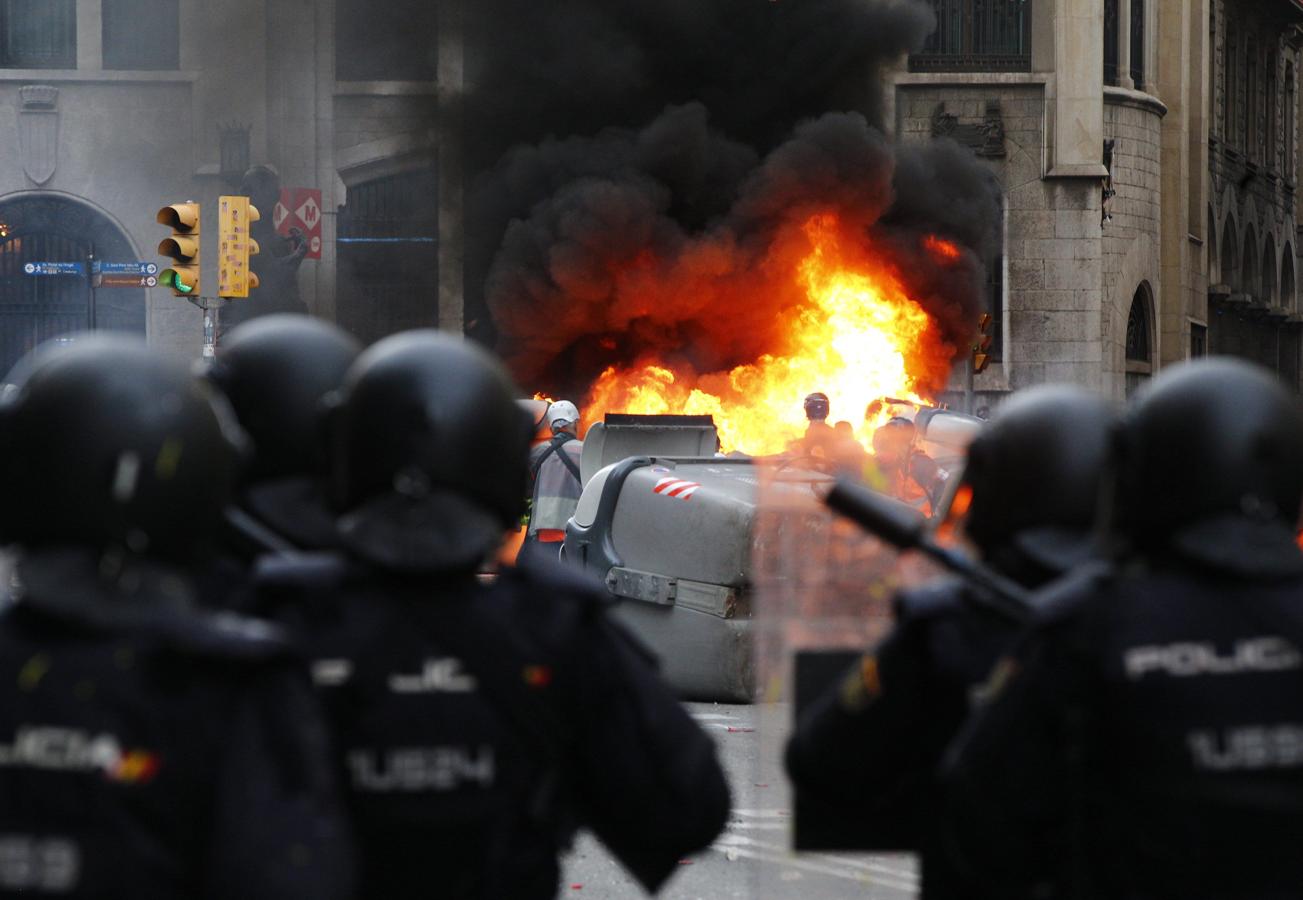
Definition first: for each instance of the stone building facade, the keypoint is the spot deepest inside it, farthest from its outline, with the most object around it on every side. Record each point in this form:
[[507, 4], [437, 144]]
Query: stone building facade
[[111, 108], [1101, 122]]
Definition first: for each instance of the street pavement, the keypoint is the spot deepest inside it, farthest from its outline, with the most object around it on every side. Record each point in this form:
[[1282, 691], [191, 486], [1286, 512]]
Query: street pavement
[[751, 859]]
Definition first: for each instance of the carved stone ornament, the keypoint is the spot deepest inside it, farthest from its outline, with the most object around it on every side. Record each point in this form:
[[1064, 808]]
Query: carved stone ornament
[[985, 138], [38, 131]]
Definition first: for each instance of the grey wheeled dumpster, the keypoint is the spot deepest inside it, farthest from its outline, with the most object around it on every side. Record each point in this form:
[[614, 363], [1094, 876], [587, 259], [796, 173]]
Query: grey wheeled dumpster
[[671, 538]]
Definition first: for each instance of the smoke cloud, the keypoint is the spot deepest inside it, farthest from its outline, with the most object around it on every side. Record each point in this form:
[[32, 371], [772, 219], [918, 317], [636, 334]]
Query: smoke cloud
[[645, 165]]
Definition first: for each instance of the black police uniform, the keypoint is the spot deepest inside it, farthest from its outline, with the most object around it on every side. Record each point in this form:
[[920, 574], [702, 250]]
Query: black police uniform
[[480, 724], [150, 752], [865, 756], [1147, 737]]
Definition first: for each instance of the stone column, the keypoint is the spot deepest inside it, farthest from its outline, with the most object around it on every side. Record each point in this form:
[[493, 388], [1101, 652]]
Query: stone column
[[90, 35], [452, 177], [1078, 106]]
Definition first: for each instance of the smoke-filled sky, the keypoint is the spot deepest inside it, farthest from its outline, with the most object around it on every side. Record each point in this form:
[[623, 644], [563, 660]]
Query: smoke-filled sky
[[634, 165]]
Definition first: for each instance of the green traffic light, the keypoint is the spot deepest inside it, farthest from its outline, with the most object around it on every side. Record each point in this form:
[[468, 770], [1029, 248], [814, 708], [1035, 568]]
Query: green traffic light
[[169, 278]]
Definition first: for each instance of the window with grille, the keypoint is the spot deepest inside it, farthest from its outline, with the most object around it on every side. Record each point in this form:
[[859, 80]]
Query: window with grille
[[977, 35], [38, 34], [142, 34], [387, 262], [385, 41]]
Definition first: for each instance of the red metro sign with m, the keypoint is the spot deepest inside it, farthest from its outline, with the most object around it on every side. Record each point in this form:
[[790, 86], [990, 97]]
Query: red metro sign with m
[[300, 208]]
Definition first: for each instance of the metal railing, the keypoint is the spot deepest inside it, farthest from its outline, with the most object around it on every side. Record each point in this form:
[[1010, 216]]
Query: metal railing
[[977, 36]]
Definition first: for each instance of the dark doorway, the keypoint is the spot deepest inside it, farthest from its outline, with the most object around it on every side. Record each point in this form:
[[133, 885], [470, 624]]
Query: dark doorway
[[387, 270], [35, 308]]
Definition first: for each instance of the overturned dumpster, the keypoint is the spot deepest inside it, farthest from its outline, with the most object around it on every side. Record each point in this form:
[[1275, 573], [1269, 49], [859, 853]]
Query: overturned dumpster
[[669, 532]]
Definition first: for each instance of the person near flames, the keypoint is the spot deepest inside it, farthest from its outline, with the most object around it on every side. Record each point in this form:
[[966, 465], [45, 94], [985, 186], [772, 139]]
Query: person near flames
[[1147, 734], [906, 473], [863, 757], [819, 438], [554, 476]]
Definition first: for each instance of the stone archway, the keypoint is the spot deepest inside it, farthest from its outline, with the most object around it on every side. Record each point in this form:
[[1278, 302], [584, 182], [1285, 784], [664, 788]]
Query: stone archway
[[46, 227]]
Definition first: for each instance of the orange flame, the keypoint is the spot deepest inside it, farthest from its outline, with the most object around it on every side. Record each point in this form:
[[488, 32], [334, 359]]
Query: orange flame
[[857, 337], [944, 251]]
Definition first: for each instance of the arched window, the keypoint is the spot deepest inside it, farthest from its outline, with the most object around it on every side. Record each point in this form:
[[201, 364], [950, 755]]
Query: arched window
[[1230, 260], [977, 35], [1249, 271], [1140, 338], [49, 228], [1287, 298], [1268, 273], [1214, 261]]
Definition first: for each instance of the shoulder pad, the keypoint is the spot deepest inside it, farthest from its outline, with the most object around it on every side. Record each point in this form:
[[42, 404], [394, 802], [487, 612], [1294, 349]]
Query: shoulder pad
[[226, 635], [1060, 599], [930, 600], [301, 570]]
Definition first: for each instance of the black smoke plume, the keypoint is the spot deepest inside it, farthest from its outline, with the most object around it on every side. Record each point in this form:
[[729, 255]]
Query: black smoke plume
[[642, 161]]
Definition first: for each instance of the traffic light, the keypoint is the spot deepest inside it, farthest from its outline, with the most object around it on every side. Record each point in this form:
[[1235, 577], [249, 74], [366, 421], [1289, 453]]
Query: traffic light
[[235, 216], [982, 346], [182, 247]]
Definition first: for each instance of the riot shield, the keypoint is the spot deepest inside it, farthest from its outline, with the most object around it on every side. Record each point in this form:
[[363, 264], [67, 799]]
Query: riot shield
[[822, 593]]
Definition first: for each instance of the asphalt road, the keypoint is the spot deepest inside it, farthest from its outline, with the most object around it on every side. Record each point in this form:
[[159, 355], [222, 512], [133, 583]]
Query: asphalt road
[[751, 859]]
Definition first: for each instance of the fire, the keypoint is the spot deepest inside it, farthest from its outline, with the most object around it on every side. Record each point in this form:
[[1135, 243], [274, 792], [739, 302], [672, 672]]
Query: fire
[[943, 250], [857, 336]]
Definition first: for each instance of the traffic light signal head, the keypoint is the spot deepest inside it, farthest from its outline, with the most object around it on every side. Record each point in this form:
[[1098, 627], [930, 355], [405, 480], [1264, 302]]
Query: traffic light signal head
[[182, 276], [235, 215]]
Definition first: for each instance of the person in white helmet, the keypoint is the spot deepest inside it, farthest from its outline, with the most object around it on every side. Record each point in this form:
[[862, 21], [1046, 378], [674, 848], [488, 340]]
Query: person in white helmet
[[554, 472]]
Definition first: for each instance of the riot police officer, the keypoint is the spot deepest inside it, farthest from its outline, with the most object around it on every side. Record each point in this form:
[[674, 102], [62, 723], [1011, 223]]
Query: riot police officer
[[867, 752], [146, 749], [1147, 736], [275, 370], [478, 724]]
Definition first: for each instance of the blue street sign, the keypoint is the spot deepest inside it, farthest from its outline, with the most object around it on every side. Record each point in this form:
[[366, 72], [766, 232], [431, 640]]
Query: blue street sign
[[54, 268], [124, 268]]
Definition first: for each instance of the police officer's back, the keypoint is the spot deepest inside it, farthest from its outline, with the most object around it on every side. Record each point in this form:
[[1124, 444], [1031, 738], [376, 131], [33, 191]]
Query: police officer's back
[[146, 750], [478, 723], [1146, 736], [868, 751], [276, 370]]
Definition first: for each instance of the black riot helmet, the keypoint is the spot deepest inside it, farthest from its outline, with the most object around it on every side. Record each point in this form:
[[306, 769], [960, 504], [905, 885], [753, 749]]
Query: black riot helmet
[[1209, 440], [428, 451], [108, 444], [1036, 471], [817, 407], [275, 370]]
